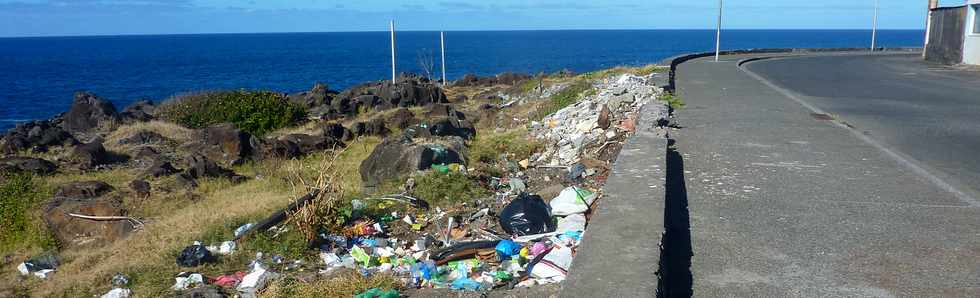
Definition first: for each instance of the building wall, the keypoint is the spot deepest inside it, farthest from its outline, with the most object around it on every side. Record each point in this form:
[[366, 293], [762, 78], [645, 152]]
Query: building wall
[[946, 34], [971, 39]]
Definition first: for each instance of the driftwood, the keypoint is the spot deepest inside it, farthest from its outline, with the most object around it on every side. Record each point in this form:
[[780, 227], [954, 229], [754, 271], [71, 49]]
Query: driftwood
[[280, 215], [136, 223]]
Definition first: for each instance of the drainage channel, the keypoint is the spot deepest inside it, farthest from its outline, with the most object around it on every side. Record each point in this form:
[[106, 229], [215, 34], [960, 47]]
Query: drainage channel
[[674, 275]]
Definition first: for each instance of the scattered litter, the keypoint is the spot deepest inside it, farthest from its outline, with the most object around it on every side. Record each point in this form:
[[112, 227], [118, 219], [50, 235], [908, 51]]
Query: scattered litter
[[186, 280], [40, 266], [378, 293], [194, 255], [572, 200], [526, 215], [255, 280], [243, 229], [230, 280], [117, 293]]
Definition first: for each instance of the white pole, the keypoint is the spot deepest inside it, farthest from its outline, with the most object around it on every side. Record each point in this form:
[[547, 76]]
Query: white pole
[[392, 51], [874, 29], [718, 35], [442, 44]]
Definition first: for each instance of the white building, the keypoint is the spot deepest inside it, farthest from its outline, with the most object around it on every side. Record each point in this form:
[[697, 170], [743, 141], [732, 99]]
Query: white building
[[953, 35], [971, 42]]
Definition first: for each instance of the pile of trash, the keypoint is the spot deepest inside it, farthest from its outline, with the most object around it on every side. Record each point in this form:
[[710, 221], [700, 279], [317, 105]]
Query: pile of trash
[[595, 121], [515, 239]]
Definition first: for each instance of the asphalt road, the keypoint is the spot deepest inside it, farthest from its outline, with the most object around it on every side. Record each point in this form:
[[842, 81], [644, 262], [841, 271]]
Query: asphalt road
[[928, 113], [783, 203]]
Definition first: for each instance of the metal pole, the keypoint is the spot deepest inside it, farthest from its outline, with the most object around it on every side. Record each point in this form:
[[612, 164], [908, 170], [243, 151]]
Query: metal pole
[[933, 4], [874, 29], [442, 44], [718, 34], [392, 51]]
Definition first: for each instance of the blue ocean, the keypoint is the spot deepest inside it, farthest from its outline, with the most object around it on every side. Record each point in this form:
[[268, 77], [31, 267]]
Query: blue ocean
[[39, 75]]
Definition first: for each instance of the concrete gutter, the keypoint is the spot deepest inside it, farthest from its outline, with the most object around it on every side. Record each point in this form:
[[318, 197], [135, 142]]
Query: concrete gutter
[[620, 251]]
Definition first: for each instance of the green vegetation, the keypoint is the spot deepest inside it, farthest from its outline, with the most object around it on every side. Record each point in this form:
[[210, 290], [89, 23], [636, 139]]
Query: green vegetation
[[20, 227], [346, 285], [514, 144], [530, 85], [438, 188], [674, 101], [567, 96], [256, 112]]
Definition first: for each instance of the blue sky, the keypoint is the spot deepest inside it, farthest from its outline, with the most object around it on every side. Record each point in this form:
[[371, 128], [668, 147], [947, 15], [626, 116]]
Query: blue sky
[[109, 17]]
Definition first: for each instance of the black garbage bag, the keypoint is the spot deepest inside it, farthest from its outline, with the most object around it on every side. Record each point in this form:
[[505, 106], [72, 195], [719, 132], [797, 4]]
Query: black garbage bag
[[46, 261], [527, 215], [194, 255]]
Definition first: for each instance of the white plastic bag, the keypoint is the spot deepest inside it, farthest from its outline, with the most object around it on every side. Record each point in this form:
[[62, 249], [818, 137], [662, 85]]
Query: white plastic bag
[[572, 200], [554, 265], [571, 223]]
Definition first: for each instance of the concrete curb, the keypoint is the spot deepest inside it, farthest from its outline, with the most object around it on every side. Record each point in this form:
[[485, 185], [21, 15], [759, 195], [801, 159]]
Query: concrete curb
[[620, 251], [677, 60]]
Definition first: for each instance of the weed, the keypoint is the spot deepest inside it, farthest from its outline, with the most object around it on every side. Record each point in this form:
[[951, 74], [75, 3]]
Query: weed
[[256, 112], [567, 96], [20, 228], [515, 144], [674, 101], [438, 188], [346, 285]]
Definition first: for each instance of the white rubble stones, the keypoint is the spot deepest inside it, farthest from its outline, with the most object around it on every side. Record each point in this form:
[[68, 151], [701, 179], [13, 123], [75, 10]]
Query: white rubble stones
[[577, 126]]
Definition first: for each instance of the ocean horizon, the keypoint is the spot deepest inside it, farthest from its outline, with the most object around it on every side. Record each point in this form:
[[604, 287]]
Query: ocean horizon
[[38, 75]]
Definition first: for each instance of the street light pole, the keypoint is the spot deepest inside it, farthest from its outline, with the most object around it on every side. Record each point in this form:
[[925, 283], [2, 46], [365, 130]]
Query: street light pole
[[874, 29], [442, 45], [718, 33], [392, 51]]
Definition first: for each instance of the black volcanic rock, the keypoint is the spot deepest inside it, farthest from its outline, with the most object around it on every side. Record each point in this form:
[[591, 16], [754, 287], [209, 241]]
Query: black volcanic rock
[[87, 112]]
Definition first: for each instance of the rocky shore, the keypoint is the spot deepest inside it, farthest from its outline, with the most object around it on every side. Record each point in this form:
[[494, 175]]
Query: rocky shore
[[484, 186]]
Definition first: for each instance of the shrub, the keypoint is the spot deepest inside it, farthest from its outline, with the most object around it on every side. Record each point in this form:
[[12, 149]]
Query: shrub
[[436, 188], [19, 227], [255, 112]]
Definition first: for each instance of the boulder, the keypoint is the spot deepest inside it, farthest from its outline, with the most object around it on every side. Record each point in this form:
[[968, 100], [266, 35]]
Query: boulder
[[145, 156], [320, 95], [140, 111], [274, 148], [446, 121], [87, 112], [407, 91], [90, 198], [223, 143], [311, 143], [603, 121], [36, 136], [91, 155], [83, 189], [160, 169], [199, 166], [337, 131], [373, 127], [402, 118], [32, 165], [397, 158], [140, 187], [143, 137], [507, 78]]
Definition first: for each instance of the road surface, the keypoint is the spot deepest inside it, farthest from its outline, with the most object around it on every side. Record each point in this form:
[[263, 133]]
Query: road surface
[[782, 202]]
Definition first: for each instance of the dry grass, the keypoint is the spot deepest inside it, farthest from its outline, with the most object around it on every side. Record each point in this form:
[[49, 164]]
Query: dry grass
[[155, 246], [177, 133], [346, 285]]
